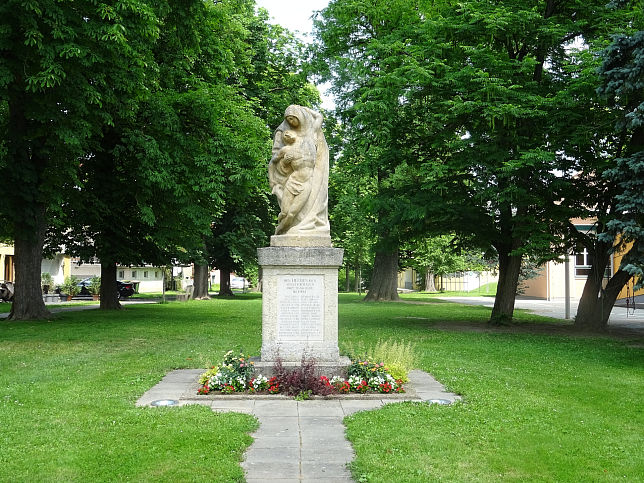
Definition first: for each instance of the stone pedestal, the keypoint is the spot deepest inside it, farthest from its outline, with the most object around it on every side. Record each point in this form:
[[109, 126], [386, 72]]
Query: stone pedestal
[[300, 307]]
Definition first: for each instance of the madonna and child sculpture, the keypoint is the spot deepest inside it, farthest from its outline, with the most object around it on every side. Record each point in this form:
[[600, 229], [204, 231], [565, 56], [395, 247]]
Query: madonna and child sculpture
[[298, 174], [300, 268]]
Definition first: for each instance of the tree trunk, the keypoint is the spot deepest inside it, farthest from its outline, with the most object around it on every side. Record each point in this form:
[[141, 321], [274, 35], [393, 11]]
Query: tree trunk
[[28, 303], [347, 278], [260, 279], [356, 279], [596, 303], [509, 268], [429, 282], [200, 282], [109, 290], [26, 215], [384, 281], [224, 283]]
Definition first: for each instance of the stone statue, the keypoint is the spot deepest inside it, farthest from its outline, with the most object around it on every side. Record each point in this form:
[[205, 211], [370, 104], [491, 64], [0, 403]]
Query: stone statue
[[298, 174]]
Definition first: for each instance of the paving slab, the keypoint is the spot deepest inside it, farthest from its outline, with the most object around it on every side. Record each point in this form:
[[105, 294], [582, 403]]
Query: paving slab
[[297, 441]]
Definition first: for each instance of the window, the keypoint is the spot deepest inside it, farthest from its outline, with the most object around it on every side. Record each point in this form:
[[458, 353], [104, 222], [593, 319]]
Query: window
[[121, 274], [583, 263], [156, 274], [145, 274], [9, 269], [133, 273]]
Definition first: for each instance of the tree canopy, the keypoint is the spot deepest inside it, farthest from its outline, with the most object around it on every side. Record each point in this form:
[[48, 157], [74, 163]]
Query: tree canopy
[[459, 113]]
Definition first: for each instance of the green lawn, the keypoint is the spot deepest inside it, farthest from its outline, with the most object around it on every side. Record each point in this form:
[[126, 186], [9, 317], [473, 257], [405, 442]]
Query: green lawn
[[536, 407]]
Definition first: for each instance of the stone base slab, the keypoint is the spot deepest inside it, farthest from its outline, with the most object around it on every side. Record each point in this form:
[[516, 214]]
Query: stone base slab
[[300, 257], [301, 241], [300, 303], [322, 368]]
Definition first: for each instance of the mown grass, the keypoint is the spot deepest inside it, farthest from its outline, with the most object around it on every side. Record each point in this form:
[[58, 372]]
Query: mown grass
[[68, 388], [535, 407]]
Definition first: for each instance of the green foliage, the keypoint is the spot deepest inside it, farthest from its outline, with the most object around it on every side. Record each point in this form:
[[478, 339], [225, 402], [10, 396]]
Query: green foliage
[[397, 356], [95, 285], [65, 71], [203, 378], [47, 279], [441, 254], [622, 73], [459, 117], [70, 286], [272, 79]]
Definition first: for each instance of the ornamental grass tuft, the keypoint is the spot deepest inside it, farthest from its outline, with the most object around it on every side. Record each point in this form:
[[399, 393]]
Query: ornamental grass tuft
[[397, 355]]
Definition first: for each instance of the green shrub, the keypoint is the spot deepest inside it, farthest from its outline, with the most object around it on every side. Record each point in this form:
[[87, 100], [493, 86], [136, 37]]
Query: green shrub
[[70, 286], [95, 285], [46, 279]]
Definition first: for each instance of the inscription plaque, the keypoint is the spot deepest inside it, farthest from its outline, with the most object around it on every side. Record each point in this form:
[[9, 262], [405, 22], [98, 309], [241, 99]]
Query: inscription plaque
[[300, 308]]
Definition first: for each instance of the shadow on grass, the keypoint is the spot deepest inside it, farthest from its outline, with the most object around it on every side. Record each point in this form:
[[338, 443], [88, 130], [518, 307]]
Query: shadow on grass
[[444, 315]]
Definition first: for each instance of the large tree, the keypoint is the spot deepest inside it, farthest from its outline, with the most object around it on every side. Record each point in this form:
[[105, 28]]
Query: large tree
[[271, 78], [458, 103], [175, 161], [438, 255], [617, 199], [358, 51], [65, 68]]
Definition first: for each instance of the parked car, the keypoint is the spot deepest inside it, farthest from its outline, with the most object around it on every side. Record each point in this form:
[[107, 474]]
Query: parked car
[[6, 292], [83, 285], [125, 288]]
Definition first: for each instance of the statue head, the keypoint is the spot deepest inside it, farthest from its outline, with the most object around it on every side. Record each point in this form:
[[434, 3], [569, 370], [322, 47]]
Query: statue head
[[289, 136], [292, 116]]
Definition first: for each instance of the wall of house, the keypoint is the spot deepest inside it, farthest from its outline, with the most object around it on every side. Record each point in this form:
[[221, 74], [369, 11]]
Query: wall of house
[[465, 281], [550, 284], [148, 279], [55, 267], [6, 263], [538, 286], [84, 270], [407, 279], [627, 291]]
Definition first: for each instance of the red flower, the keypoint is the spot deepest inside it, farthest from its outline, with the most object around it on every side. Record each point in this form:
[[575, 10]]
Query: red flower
[[386, 387]]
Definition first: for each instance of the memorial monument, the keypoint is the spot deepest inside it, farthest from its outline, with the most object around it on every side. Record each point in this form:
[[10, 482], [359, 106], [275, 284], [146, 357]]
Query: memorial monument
[[300, 268]]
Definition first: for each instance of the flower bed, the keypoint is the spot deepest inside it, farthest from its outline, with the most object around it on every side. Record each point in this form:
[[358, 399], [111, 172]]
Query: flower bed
[[236, 375]]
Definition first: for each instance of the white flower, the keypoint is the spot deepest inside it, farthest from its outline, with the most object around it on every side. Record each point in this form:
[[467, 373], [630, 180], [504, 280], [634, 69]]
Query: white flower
[[354, 381], [336, 380], [376, 381]]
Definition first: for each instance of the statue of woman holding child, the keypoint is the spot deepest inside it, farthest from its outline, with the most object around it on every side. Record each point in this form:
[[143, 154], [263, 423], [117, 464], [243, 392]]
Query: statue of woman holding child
[[298, 174]]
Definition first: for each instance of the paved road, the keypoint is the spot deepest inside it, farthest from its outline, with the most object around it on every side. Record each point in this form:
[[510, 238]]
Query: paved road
[[619, 317]]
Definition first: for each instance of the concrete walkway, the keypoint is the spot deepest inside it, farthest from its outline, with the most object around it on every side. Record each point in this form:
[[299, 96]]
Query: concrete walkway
[[619, 316], [297, 441]]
